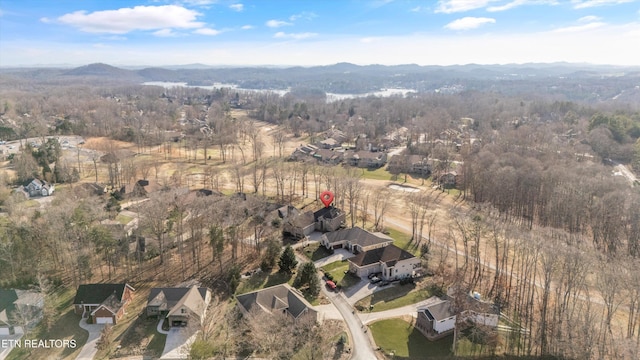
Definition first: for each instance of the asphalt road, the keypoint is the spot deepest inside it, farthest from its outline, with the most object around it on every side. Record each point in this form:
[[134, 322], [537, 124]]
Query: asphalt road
[[362, 347]]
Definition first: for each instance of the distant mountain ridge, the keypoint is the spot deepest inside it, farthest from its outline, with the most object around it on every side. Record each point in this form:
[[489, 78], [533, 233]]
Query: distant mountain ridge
[[348, 78]]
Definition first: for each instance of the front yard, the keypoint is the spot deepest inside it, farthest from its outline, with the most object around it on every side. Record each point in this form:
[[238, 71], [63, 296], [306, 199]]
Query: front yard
[[399, 337], [339, 270], [315, 252]]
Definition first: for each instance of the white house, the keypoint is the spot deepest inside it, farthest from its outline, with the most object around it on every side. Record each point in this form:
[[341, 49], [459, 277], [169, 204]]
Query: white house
[[39, 187], [393, 262], [439, 319]]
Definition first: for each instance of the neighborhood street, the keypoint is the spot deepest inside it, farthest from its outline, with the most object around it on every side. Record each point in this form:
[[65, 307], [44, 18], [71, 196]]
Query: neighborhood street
[[361, 346]]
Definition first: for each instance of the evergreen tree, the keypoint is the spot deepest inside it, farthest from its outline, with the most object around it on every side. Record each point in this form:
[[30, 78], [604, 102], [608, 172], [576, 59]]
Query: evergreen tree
[[308, 276], [288, 260]]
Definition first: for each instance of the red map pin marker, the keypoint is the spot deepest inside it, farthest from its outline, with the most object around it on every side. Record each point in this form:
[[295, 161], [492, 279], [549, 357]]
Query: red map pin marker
[[326, 197]]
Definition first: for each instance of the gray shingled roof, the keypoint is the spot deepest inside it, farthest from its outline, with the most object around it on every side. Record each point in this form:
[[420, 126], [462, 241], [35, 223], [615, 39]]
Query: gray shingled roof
[[275, 298], [192, 300], [439, 311], [389, 255], [167, 298], [357, 236]]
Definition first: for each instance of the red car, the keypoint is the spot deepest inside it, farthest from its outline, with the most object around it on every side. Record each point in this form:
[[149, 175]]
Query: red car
[[331, 285]]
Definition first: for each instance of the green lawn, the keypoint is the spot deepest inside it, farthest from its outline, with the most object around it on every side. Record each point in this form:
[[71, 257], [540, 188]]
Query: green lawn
[[262, 280], [401, 338], [341, 276], [377, 174], [123, 219], [316, 252], [394, 297], [402, 240]]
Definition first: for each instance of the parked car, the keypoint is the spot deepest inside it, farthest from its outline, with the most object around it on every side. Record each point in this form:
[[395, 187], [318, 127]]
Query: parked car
[[331, 285], [375, 280]]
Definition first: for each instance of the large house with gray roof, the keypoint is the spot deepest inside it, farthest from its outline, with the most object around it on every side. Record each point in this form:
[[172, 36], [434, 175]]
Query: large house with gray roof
[[355, 239], [181, 306], [391, 261], [280, 299]]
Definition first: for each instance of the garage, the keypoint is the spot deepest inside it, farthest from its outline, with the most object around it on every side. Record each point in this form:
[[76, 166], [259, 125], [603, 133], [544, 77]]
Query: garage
[[337, 246], [104, 320]]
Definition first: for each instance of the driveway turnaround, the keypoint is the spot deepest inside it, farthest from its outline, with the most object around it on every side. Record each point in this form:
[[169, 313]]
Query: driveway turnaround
[[89, 349]]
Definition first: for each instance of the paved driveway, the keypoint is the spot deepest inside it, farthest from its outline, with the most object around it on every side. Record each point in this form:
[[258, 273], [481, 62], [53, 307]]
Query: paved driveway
[[178, 342], [89, 349]]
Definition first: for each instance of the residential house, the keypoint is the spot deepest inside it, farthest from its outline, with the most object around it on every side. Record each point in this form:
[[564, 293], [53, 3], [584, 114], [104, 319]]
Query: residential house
[[355, 239], [299, 224], [329, 219], [39, 187], [140, 188], [302, 152], [329, 143], [180, 306], [394, 263], [448, 180], [103, 303], [365, 159], [327, 156], [278, 299], [438, 320], [19, 308], [411, 164]]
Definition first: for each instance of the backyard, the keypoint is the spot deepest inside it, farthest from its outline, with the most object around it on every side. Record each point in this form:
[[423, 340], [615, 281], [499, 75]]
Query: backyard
[[399, 337], [393, 297]]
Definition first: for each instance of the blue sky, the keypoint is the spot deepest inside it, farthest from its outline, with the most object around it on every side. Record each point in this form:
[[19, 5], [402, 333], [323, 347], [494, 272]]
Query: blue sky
[[288, 32]]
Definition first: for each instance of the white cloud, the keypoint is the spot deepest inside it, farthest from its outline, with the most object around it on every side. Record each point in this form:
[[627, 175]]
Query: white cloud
[[580, 28], [165, 33], [368, 40], [516, 3], [125, 20], [277, 23], [1, 13], [200, 2], [416, 9], [247, 27], [468, 23], [588, 19], [237, 7], [114, 38], [454, 6], [295, 36], [583, 4], [207, 31], [303, 15], [45, 20], [423, 49]]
